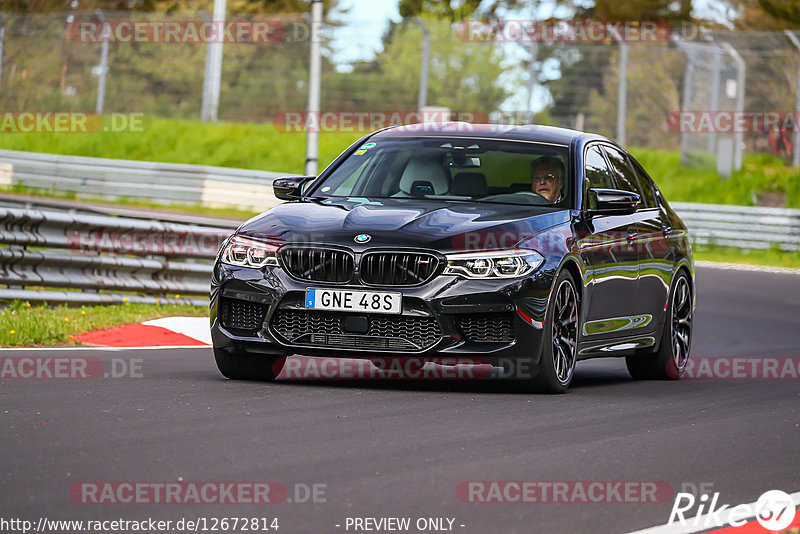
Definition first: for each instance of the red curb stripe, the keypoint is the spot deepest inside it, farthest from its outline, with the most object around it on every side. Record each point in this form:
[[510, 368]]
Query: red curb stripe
[[136, 335]]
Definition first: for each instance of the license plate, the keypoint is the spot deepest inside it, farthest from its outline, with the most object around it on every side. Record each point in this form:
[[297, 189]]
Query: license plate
[[354, 301]]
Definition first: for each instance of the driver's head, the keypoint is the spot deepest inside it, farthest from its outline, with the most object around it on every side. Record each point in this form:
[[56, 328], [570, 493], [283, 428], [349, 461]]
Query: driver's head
[[547, 177]]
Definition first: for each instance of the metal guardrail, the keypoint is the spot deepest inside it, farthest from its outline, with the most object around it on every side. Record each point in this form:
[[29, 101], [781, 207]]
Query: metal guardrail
[[164, 183], [76, 207], [59, 256], [94, 259], [745, 227]]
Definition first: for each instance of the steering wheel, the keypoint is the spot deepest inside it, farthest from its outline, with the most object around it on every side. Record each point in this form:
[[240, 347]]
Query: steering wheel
[[535, 196]]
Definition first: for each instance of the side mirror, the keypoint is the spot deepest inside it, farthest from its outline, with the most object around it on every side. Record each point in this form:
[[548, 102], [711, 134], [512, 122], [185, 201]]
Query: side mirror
[[612, 202], [290, 188]]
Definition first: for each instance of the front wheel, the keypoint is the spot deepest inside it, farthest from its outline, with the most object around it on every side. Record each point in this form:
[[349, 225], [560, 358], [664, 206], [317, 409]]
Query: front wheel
[[560, 345], [669, 361], [238, 365]]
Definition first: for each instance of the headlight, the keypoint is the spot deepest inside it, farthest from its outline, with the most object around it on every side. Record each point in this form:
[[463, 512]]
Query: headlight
[[500, 264], [246, 252]]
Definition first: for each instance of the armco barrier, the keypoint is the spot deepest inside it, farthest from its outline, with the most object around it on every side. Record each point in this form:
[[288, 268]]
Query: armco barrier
[[163, 183], [737, 226], [745, 227], [55, 257]]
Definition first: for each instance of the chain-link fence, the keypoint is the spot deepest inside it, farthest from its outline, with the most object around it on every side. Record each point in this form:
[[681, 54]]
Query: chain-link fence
[[649, 92]]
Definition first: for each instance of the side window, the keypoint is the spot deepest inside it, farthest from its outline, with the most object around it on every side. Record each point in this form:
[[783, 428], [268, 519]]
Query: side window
[[346, 188], [597, 173], [623, 172], [646, 184]]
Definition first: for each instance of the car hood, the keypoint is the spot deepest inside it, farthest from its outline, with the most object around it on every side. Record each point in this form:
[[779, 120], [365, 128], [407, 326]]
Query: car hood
[[425, 223]]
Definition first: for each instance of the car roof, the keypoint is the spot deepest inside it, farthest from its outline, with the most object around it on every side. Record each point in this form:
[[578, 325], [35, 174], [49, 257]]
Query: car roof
[[528, 132]]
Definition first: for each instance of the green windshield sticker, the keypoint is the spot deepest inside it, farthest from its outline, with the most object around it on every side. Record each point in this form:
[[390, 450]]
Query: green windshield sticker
[[363, 149]]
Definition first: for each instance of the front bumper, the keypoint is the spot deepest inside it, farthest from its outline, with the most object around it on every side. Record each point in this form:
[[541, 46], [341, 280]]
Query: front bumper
[[448, 302]]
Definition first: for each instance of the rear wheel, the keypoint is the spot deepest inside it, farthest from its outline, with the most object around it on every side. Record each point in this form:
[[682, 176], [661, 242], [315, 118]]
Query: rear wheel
[[560, 347], [239, 365], [669, 361]]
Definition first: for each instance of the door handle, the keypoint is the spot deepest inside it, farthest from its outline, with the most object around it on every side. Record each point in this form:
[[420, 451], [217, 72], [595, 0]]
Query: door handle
[[632, 236], [666, 230]]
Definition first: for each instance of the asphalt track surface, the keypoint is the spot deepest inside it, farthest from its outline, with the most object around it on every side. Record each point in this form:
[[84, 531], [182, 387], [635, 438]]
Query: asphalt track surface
[[400, 449]]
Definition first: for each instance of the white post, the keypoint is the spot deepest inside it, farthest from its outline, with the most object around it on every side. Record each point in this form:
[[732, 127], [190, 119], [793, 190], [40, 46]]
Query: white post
[[101, 81], [314, 74], [205, 106], [715, 97], [532, 79], [214, 77], [741, 67], [2, 40], [688, 80], [796, 156], [422, 98], [622, 95]]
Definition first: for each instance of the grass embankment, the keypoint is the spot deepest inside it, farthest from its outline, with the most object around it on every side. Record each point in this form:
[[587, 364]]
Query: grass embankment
[[224, 144], [25, 325], [772, 257], [761, 173], [261, 146]]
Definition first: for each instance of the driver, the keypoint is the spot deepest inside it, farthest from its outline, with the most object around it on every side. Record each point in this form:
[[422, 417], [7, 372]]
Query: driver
[[547, 177]]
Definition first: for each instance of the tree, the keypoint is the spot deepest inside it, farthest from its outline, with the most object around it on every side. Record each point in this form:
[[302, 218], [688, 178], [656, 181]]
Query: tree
[[462, 76], [787, 10], [452, 10]]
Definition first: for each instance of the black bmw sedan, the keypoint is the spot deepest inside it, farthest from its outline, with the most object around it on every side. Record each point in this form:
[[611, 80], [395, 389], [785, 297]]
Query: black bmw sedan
[[514, 245]]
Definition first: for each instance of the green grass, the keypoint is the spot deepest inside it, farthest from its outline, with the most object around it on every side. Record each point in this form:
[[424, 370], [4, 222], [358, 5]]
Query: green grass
[[777, 258], [224, 144], [23, 325], [760, 173], [261, 146]]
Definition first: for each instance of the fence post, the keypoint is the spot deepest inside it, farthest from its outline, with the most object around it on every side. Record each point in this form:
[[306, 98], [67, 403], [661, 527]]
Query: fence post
[[796, 156], [741, 68], [206, 102], [422, 99], [2, 40], [214, 64], [532, 79], [622, 94], [686, 100], [103, 68], [712, 138], [315, 67]]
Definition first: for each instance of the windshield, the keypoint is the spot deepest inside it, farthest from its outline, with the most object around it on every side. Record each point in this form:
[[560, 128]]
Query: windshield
[[457, 169]]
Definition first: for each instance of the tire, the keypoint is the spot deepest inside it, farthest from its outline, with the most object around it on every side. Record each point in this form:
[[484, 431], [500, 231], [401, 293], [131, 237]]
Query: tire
[[669, 361], [243, 366], [560, 341]]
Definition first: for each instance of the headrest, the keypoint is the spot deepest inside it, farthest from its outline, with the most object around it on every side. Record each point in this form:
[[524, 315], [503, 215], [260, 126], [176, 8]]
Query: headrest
[[426, 170], [470, 184]]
